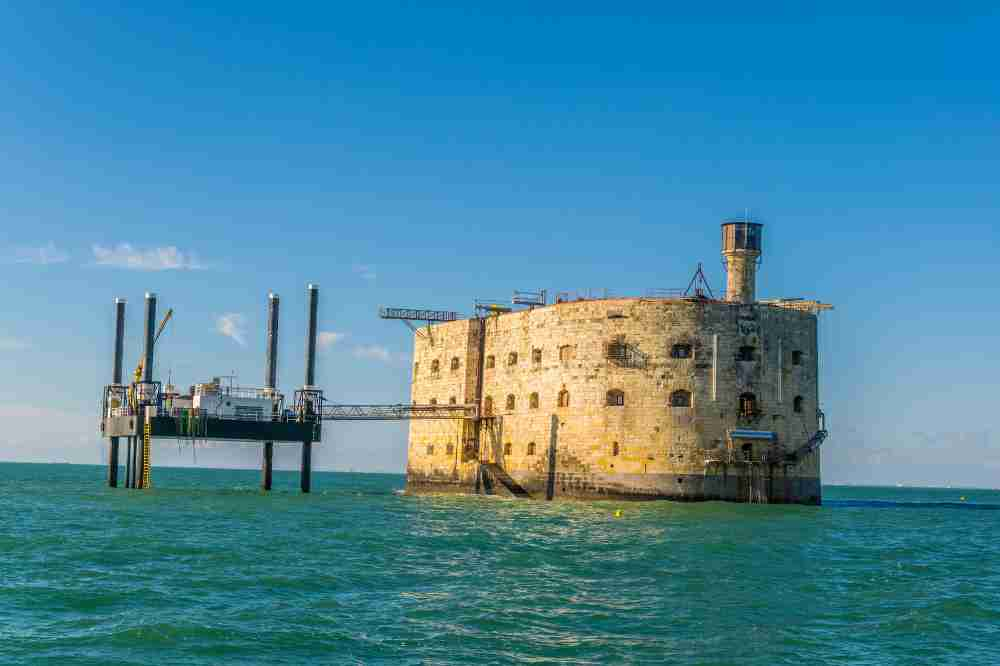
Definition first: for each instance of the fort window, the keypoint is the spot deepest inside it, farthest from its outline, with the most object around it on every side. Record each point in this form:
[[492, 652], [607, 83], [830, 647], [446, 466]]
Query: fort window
[[512, 358], [451, 450], [797, 403], [680, 351], [454, 363], [680, 398], [490, 362], [533, 401], [616, 398], [615, 449], [452, 400], [567, 353], [745, 354], [563, 398], [488, 406], [748, 405], [510, 403], [430, 449], [531, 448], [507, 448], [536, 356], [435, 367], [796, 357], [434, 401]]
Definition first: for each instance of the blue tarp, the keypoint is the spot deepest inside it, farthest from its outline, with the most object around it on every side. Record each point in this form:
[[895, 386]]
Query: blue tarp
[[752, 434]]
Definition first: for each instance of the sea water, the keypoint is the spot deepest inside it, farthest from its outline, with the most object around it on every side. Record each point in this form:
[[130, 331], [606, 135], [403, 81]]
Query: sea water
[[205, 568]]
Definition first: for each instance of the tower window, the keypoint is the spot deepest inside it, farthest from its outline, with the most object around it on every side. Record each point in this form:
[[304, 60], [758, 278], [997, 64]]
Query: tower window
[[454, 363], [745, 354], [452, 400], [435, 367], [491, 361], [488, 406], [430, 449], [615, 449], [563, 398], [567, 353], [512, 358], [682, 350], [748, 405], [434, 401], [536, 356], [680, 398], [451, 450], [507, 448], [510, 402], [533, 401], [531, 448], [796, 357], [616, 398], [797, 403]]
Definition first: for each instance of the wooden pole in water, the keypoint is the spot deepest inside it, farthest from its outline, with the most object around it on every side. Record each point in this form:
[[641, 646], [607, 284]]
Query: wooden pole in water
[[270, 381], [550, 485]]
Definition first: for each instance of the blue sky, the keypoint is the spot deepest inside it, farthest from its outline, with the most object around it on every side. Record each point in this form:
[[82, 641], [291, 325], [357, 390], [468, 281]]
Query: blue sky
[[418, 155]]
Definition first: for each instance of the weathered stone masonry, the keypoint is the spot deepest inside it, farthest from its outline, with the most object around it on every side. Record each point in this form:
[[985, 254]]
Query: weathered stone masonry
[[646, 393]]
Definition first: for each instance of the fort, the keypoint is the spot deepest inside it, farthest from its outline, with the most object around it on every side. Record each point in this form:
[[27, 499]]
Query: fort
[[672, 395]]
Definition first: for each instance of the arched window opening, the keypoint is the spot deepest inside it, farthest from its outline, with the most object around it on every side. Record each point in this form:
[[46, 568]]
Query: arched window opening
[[510, 402], [452, 400], [680, 350], [435, 367], [748, 405], [615, 449], [488, 406], [745, 353], [451, 450], [434, 401], [616, 398], [564, 398], [512, 358], [533, 401], [491, 361], [536, 356], [531, 448], [796, 357], [797, 403], [454, 363], [747, 452], [567, 353], [680, 398], [507, 448], [430, 449]]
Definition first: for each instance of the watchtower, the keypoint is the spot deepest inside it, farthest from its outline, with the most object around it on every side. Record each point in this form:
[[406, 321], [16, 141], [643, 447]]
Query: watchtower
[[741, 249]]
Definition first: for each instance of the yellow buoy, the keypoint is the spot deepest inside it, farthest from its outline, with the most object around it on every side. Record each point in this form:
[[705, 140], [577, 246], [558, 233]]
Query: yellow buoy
[[618, 513], [962, 498]]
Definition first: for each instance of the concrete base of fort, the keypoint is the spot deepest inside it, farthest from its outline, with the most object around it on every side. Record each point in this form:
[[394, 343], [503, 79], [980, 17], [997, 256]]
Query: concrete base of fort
[[778, 489]]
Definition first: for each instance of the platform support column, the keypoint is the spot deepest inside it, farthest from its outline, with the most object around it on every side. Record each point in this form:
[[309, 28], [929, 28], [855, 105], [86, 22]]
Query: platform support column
[[305, 473], [128, 462], [116, 379], [270, 381]]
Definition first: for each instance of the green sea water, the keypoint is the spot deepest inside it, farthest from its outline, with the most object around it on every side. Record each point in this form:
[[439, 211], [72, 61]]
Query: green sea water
[[205, 569]]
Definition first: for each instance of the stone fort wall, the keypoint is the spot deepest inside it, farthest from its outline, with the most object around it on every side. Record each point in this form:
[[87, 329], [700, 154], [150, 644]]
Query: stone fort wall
[[641, 423]]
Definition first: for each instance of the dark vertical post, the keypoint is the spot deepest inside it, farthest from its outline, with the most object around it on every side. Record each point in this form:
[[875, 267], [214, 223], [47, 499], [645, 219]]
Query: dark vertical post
[[550, 486], [147, 376], [311, 336], [116, 379], [270, 381], [128, 462], [305, 472]]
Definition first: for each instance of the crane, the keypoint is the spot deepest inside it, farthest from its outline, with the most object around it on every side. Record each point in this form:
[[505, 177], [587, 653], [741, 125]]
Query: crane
[[163, 324]]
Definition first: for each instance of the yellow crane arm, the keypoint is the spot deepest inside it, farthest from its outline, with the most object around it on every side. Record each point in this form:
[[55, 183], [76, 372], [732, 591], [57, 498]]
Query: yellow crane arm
[[159, 331]]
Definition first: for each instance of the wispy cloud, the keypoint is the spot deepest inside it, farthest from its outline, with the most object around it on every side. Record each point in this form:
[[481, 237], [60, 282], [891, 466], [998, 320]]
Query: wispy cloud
[[366, 271], [232, 325], [374, 352], [42, 256], [329, 338], [125, 255], [13, 344]]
